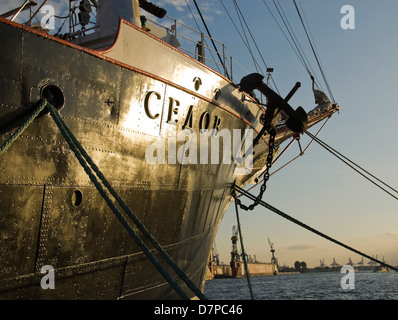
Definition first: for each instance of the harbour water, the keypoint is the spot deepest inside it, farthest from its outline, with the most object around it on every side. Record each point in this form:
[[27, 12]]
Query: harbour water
[[366, 285]]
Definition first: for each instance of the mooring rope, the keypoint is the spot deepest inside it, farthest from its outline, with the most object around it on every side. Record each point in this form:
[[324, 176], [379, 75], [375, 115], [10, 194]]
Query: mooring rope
[[39, 108], [286, 216], [84, 159], [132, 216], [242, 246], [352, 165]]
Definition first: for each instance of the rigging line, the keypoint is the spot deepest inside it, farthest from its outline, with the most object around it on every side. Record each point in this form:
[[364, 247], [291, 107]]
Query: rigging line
[[197, 25], [262, 173], [292, 37], [236, 28], [255, 43], [302, 151], [290, 161], [281, 29], [312, 42], [246, 41], [239, 33], [211, 38], [342, 157], [291, 45], [311, 36], [305, 226], [242, 67], [239, 14], [300, 49], [315, 55]]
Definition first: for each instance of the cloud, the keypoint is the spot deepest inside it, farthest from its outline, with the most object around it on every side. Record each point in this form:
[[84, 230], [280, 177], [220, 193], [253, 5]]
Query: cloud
[[390, 235], [178, 4], [8, 6], [300, 247], [59, 9], [207, 8]]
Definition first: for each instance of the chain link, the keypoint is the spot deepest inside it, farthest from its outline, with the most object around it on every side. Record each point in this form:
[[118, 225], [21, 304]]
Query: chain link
[[271, 145]]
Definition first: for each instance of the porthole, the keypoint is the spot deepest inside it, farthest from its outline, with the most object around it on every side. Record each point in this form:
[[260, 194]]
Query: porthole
[[197, 83], [77, 198], [217, 94], [54, 95]]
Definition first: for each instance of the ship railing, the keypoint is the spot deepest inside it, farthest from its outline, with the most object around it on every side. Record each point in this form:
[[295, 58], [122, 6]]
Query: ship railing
[[28, 4], [15, 12], [184, 40]]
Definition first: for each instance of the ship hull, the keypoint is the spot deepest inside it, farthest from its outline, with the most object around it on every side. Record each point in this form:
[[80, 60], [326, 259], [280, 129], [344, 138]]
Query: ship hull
[[52, 214], [135, 116]]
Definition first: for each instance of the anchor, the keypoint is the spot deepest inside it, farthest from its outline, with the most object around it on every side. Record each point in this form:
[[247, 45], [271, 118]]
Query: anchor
[[297, 119]]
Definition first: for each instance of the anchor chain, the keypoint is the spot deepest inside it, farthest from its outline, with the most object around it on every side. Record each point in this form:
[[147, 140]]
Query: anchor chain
[[271, 145]]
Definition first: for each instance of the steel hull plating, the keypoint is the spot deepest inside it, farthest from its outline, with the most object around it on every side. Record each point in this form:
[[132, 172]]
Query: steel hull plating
[[51, 214]]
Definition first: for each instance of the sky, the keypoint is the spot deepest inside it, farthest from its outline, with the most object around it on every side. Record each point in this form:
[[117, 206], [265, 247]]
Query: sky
[[318, 189]]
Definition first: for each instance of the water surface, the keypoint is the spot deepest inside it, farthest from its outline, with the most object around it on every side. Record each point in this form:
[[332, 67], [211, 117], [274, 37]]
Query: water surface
[[307, 286]]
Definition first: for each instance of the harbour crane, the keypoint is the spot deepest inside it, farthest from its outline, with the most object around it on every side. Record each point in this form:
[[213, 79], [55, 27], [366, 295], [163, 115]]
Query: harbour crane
[[371, 262], [273, 259], [234, 239], [215, 255], [334, 263]]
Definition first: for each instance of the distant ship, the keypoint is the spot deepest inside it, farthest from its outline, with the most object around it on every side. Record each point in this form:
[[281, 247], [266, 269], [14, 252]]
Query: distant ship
[[123, 87], [380, 268]]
